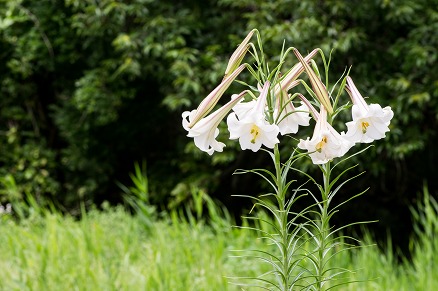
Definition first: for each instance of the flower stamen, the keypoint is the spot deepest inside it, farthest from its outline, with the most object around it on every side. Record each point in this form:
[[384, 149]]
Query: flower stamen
[[321, 144], [364, 126], [255, 131]]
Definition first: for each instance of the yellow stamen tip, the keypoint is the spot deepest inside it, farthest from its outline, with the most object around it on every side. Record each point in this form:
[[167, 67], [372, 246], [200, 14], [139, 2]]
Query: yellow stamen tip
[[321, 144], [255, 131], [364, 126]]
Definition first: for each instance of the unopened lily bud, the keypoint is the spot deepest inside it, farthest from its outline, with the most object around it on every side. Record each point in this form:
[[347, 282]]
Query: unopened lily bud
[[317, 86], [288, 80], [239, 54], [211, 100]]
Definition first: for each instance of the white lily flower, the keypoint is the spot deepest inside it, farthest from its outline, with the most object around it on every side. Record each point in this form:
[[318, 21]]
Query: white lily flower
[[251, 127], [242, 109], [290, 118], [370, 122], [205, 131], [326, 143]]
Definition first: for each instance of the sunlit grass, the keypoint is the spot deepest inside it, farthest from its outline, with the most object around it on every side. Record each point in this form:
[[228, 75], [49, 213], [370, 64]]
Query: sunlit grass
[[113, 250]]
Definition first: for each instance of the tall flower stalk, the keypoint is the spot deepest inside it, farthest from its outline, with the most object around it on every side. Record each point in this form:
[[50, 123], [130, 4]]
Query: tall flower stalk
[[286, 236], [267, 108], [323, 234]]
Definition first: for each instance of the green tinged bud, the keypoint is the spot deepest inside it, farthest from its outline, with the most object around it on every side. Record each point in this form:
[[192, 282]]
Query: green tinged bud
[[239, 54], [211, 100], [317, 86]]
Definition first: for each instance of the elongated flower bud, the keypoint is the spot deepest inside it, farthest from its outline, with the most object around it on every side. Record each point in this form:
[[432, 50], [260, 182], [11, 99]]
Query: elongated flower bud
[[288, 81], [211, 100], [317, 86], [238, 55]]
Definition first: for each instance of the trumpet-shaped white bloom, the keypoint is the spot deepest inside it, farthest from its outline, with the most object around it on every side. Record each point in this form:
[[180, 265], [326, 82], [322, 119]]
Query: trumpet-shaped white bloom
[[291, 118], [252, 132], [370, 122], [205, 131], [248, 124], [326, 143]]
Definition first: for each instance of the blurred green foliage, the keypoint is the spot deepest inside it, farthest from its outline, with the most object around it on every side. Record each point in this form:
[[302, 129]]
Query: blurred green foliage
[[88, 87]]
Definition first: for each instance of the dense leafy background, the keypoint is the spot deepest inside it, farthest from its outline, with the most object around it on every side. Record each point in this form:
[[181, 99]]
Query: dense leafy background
[[89, 87]]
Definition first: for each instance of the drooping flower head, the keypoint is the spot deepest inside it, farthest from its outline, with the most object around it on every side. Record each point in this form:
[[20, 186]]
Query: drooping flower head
[[326, 143], [370, 122], [205, 131], [249, 125]]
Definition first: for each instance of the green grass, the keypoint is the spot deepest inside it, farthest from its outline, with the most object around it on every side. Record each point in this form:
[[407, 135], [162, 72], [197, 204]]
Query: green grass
[[112, 250]]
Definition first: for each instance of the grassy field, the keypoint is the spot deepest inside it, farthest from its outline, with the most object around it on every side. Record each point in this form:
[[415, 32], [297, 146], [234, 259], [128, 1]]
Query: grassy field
[[113, 250]]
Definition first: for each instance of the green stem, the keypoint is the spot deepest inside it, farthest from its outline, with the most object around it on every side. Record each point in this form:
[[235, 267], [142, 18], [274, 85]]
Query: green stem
[[282, 221], [323, 228]]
